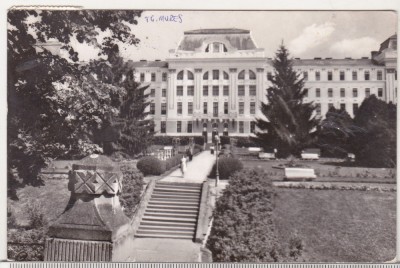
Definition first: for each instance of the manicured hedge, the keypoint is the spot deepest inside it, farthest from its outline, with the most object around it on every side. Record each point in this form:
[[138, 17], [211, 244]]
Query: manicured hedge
[[149, 165], [243, 228], [173, 161], [226, 167], [244, 142], [132, 186], [184, 140]]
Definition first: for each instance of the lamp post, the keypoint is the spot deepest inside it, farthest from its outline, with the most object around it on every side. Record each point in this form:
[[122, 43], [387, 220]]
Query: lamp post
[[216, 155]]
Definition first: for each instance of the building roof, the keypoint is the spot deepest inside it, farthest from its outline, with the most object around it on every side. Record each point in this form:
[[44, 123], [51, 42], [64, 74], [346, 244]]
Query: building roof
[[391, 42], [332, 62], [237, 39], [143, 64]]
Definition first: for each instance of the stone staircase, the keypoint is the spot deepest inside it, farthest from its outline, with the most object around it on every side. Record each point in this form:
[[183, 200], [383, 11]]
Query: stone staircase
[[172, 211]]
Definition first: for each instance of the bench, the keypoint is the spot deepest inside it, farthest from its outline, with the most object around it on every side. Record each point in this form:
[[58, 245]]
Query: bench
[[299, 174], [254, 149], [309, 156], [266, 155]]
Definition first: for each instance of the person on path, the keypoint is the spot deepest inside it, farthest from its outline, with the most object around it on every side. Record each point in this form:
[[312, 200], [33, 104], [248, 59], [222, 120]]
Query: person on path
[[183, 165], [190, 153]]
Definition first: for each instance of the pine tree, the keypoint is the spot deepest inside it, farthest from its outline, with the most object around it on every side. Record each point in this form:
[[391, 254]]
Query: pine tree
[[289, 124]]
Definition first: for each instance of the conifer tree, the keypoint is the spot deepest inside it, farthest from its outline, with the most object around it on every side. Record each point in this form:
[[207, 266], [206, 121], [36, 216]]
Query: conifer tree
[[289, 124]]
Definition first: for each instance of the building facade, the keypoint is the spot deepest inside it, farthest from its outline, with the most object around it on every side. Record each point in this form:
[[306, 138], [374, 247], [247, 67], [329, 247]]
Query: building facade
[[216, 79]]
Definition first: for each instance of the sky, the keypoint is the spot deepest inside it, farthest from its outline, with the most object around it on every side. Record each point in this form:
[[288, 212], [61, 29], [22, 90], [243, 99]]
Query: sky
[[307, 34]]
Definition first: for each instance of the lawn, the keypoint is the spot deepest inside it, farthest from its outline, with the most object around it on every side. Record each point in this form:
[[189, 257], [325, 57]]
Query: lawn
[[52, 197], [339, 226], [328, 171]]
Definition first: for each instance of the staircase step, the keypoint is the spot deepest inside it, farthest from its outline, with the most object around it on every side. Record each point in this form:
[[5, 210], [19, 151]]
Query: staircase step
[[165, 228], [171, 232], [177, 207], [186, 203], [175, 196], [174, 190], [155, 223], [169, 219], [189, 184], [165, 236], [175, 199], [179, 186], [169, 215], [172, 211]]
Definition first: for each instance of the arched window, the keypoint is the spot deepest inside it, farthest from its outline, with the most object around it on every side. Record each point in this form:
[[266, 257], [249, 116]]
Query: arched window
[[205, 76], [216, 47], [226, 76], [214, 125], [180, 75], [190, 75], [241, 75], [204, 124], [252, 75]]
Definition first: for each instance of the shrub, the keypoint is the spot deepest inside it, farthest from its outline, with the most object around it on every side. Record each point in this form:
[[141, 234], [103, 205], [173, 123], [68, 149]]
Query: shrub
[[226, 167], [132, 187], [173, 162], [184, 140], [244, 142], [243, 228], [149, 165], [36, 217], [225, 140], [26, 245]]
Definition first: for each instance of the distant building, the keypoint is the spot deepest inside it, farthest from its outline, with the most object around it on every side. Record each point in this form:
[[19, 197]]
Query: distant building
[[215, 80]]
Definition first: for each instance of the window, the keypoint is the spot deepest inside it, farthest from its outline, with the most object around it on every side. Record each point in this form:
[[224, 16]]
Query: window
[[205, 90], [215, 74], [343, 106], [341, 76], [179, 107], [253, 90], [252, 127], [306, 93], [180, 75], [179, 126], [241, 127], [252, 108], [367, 92], [379, 75], [152, 108], [189, 127], [190, 90], [163, 127], [141, 77], [190, 107], [380, 92], [153, 77], [226, 107], [342, 93], [318, 108], [215, 108], [354, 74], [317, 76], [366, 75], [163, 108], [330, 93], [226, 76], [205, 108], [329, 76], [330, 105], [241, 75], [216, 47], [355, 108], [164, 77], [241, 90], [215, 90], [164, 92], [252, 75], [190, 75], [205, 76], [241, 107], [179, 91], [305, 76], [317, 92], [226, 90], [152, 92], [355, 93], [269, 76]]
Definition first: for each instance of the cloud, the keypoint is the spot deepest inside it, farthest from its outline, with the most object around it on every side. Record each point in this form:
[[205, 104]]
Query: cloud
[[358, 47], [311, 37]]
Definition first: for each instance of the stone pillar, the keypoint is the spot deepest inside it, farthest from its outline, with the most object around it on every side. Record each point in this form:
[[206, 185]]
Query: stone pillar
[[233, 86], [197, 90], [260, 89], [389, 92], [93, 226], [171, 89]]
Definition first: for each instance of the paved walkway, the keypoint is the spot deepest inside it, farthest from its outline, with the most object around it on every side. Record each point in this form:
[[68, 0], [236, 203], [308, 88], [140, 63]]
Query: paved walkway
[[174, 250], [197, 170]]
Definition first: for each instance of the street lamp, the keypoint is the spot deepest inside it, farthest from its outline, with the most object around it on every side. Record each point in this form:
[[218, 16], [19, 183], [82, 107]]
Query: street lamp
[[216, 155]]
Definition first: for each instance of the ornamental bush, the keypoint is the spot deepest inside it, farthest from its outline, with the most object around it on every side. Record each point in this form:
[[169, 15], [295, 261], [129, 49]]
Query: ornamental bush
[[226, 167], [149, 165], [132, 187], [173, 162]]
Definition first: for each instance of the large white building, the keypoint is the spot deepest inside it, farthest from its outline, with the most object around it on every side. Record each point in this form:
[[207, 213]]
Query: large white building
[[215, 80]]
